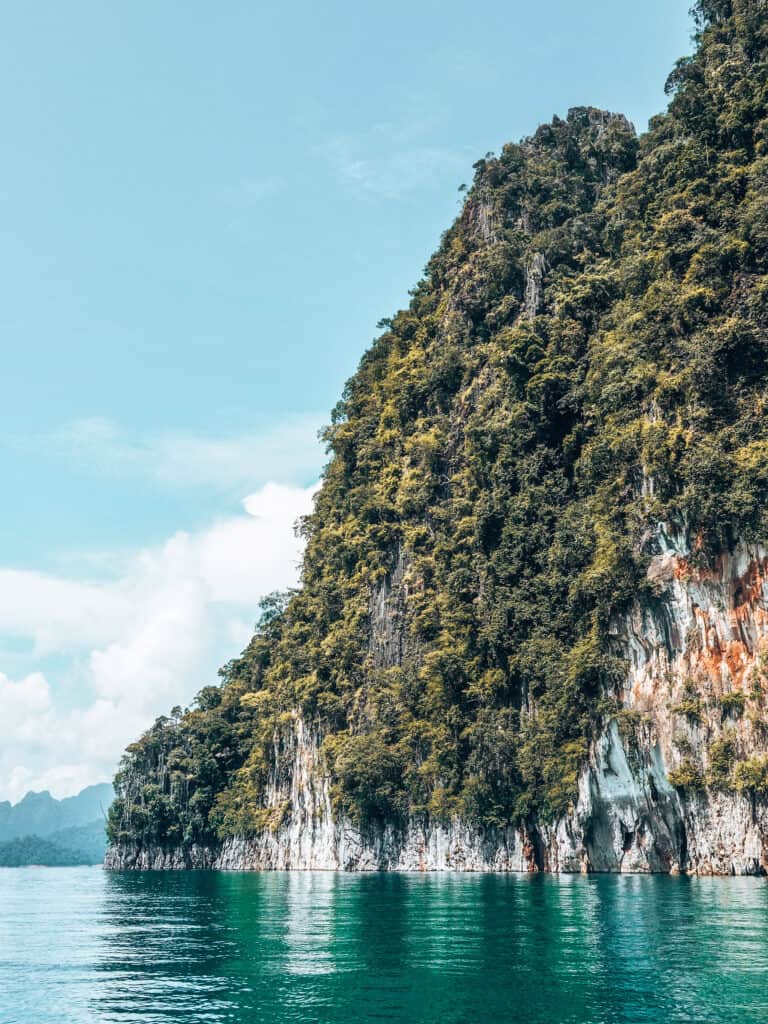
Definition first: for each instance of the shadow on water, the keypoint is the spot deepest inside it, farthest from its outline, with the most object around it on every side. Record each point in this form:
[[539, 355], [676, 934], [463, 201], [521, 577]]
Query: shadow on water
[[344, 948]]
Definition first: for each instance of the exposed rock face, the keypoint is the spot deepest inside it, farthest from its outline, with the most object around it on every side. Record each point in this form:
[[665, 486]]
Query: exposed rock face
[[704, 640], [387, 616], [534, 277], [704, 635]]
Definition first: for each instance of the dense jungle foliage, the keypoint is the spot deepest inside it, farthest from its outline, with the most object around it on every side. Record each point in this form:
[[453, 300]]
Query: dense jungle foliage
[[585, 358]]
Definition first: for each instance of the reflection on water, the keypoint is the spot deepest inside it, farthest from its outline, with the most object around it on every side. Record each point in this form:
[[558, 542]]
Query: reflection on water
[[80, 945]]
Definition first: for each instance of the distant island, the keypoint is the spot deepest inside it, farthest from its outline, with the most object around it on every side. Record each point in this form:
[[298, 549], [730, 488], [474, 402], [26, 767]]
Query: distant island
[[55, 833]]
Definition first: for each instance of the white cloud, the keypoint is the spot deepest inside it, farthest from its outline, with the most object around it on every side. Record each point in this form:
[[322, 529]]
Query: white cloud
[[57, 613], [286, 451], [249, 191], [141, 641], [28, 697], [392, 160]]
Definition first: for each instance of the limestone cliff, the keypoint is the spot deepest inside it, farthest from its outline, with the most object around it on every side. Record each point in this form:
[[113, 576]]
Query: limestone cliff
[[706, 633], [531, 627]]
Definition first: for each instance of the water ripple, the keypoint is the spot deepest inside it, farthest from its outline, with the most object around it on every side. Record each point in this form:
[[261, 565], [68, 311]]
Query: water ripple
[[79, 946]]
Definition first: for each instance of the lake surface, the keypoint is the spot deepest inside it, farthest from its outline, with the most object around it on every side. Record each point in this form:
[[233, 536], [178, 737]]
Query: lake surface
[[82, 945]]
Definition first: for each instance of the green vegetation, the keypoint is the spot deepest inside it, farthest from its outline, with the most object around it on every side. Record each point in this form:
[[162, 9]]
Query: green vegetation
[[687, 775], [86, 841], [69, 848], [733, 704], [628, 721], [721, 761], [690, 709], [585, 358], [683, 743], [752, 776]]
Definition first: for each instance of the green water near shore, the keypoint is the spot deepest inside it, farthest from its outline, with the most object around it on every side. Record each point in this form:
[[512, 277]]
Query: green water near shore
[[82, 945]]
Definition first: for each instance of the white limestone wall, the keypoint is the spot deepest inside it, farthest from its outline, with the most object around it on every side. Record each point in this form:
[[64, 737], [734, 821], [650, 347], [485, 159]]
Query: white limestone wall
[[703, 636]]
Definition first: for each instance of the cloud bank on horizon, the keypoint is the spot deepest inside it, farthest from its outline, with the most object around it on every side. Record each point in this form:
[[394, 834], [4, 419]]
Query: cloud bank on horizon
[[106, 654]]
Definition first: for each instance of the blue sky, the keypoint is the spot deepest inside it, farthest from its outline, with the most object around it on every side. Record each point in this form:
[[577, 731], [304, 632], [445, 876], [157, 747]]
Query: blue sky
[[206, 210]]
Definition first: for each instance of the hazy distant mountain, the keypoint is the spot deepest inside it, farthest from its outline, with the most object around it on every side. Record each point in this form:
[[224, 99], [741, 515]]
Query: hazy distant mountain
[[40, 814], [77, 845]]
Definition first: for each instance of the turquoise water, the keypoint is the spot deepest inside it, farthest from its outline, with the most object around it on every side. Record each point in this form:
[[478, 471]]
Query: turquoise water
[[81, 945]]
